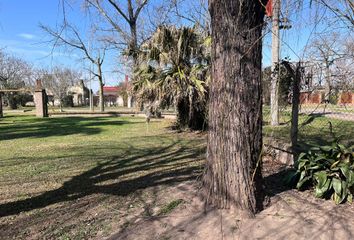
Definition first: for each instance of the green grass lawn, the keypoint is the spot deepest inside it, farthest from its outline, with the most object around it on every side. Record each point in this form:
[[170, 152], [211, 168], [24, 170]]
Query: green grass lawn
[[77, 178], [83, 177], [313, 129]]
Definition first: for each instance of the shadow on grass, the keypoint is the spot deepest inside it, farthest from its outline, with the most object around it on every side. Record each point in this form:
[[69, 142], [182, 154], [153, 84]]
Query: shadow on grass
[[315, 130], [120, 176], [29, 127]]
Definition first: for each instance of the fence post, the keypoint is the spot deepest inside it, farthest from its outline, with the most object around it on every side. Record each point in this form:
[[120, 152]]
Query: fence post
[[295, 109], [41, 100], [1, 112]]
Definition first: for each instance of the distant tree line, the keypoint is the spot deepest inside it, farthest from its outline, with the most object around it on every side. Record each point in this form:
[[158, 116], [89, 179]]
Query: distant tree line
[[18, 74]]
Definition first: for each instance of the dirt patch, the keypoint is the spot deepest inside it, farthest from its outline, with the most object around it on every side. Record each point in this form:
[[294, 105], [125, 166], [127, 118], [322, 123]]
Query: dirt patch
[[289, 214]]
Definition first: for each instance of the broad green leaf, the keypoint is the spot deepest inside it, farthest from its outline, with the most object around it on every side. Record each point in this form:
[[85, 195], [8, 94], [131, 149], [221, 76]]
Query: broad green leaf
[[326, 148], [315, 167], [336, 198], [345, 170], [302, 164], [321, 178], [303, 180], [350, 178], [321, 190], [301, 156], [337, 186], [321, 157], [342, 147]]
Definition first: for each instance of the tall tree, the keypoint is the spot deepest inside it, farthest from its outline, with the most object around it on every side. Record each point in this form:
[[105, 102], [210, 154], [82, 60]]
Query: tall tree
[[14, 73], [343, 9], [120, 14], [58, 82], [68, 36], [326, 52], [233, 171], [174, 69]]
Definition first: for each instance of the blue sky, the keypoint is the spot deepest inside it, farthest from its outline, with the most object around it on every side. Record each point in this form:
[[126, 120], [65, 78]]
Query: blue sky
[[21, 36], [20, 32]]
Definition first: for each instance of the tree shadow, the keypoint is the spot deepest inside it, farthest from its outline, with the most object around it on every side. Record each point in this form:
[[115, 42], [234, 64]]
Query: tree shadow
[[275, 184], [47, 127], [120, 176]]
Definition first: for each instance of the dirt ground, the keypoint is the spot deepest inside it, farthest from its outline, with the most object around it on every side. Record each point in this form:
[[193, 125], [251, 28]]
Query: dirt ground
[[289, 214]]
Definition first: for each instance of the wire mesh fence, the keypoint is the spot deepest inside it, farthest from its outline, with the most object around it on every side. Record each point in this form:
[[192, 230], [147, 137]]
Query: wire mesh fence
[[323, 118]]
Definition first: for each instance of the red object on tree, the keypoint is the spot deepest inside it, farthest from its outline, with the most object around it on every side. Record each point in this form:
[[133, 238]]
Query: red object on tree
[[269, 8]]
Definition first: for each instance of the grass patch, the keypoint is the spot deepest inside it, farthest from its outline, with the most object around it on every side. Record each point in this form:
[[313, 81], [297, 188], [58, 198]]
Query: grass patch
[[314, 130], [170, 207], [76, 177]]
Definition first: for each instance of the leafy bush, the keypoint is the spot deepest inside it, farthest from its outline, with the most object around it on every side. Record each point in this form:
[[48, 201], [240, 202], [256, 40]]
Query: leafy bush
[[68, 101], [330, 169], [23, 98]]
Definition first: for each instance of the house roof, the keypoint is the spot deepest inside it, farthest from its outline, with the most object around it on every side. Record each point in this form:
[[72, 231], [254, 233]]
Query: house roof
[[110, 89]]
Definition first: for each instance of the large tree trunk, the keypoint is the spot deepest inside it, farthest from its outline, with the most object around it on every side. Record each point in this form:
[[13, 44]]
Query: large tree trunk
[[133, 44], [233, 171], [197, 114], [182, 113], [328, 83], [101, 97], [61, 105]]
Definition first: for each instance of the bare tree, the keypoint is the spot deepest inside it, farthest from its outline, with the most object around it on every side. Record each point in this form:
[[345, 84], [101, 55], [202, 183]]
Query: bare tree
[[123, 17], [192, 13], [344, 9], [15, 73], [343, 70], [58, 81], [331, 58], [68, 36]]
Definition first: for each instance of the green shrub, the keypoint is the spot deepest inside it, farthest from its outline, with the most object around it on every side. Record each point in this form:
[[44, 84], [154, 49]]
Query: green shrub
[[333, 98], [330, 169], [68, 101]]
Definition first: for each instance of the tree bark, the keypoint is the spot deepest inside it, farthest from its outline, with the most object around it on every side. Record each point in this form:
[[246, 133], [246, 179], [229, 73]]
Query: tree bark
[[182, 113], [61, 105], [328, 82], [233, 176], [100, 80], [295, 109], [133, 44]]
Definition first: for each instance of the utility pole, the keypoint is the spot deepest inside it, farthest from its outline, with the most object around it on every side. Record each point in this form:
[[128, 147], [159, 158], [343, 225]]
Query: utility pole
[[274, 92]]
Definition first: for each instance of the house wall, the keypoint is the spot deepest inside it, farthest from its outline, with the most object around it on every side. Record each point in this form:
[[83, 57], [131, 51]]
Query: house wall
[[310, 98], [316, 97], [346, 98], [120, 101]]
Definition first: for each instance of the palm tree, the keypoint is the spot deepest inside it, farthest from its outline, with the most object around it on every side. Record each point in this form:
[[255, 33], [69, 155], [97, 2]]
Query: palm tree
[[174, 71]]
